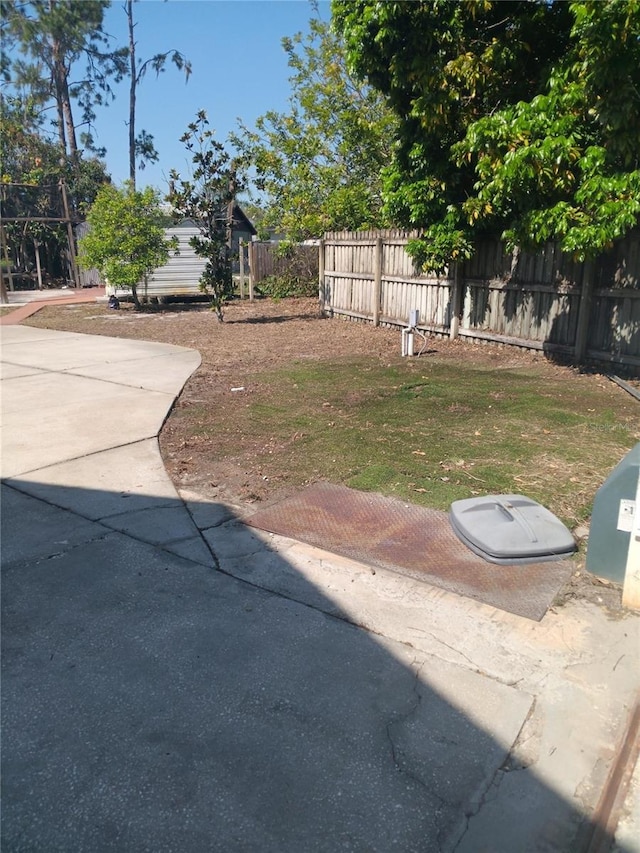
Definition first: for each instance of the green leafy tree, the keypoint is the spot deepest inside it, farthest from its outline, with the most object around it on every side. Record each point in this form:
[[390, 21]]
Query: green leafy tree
[[29, 174], [565, 166], [207, 198], [27, 155], [55, 35], [126, 240], [257, 214], [516, 118], [141, 147], [318, 165], [31, 163]]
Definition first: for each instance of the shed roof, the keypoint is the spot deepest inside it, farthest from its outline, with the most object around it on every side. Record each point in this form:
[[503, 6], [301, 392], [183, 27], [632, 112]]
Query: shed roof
[[241, 221]]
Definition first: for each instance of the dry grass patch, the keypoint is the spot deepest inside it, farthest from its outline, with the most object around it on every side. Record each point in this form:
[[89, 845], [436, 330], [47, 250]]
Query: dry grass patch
[[332, 400]]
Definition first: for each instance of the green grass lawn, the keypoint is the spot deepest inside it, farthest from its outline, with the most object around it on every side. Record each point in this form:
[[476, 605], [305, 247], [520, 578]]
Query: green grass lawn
[[433, 432]]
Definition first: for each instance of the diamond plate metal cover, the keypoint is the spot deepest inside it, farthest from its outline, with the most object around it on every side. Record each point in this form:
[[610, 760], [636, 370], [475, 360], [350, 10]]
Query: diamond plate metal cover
[[411, 540]]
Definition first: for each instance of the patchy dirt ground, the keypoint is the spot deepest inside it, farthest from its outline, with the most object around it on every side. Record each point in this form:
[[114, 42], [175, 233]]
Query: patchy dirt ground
[[254, 337], [263, 335]]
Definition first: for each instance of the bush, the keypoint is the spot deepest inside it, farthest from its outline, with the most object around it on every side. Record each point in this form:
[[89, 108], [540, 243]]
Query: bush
[[288, 285], [294, 271]]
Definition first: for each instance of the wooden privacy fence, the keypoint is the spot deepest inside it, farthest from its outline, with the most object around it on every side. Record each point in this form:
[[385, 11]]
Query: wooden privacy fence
[[542, 300], [266, 261]]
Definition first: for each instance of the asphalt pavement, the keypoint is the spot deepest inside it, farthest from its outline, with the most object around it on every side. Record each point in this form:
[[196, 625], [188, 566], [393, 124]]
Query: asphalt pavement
[[175, 680]]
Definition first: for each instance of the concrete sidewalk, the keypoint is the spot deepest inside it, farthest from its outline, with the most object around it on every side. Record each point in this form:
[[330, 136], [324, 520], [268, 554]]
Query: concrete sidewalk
[[173, 680]]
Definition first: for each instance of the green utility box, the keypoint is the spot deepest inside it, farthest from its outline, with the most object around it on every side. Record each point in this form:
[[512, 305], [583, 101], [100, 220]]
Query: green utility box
[[612, 519]]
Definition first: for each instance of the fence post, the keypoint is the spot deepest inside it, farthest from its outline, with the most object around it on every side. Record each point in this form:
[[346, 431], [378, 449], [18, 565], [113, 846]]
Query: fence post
[[241, 248], [377, 281], [252, 259], [322, 293], [456, 300], [70, 236], [3, 273], [584, 311]]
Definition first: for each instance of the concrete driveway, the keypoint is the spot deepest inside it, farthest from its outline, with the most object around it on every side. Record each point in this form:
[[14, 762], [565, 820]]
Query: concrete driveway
[[173, 680]]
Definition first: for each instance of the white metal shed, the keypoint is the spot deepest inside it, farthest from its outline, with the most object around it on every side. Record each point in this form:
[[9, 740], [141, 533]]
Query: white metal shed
[[180, 276]]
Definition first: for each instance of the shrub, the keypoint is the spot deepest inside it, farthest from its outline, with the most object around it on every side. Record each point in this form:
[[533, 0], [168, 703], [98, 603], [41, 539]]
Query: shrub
[[288, 284]]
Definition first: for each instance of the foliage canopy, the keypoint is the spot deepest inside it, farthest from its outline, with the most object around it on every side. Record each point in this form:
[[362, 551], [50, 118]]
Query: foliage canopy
[[57, 54], [318, 164], [126, 240], [30, 176], [53, 36], [206, 198], [520, 119]]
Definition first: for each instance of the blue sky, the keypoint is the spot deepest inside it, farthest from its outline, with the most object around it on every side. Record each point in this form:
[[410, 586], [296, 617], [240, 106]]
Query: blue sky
[[239, 70]]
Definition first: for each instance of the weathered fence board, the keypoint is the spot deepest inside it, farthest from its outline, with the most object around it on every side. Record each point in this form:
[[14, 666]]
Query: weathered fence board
[[264, 260], [542, 300]]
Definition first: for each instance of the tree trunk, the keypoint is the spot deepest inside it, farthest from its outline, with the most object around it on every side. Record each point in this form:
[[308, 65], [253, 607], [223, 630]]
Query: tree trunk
[[136, 300], [132, 96], [68, 119], [217, 306], [66, 127], [36, 247], [60, 123], [62, 137], [230, 206]]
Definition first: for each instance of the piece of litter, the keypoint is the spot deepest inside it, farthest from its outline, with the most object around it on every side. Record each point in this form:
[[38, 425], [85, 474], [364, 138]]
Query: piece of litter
[[240, 388]]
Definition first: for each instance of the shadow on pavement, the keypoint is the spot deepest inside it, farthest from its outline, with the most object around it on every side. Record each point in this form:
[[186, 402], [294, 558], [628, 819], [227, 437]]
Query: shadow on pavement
[[151, 702]]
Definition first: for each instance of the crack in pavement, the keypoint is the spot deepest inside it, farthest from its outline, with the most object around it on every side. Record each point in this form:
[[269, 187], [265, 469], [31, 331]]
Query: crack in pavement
[[492, 788], [8, 480], [401, 719]]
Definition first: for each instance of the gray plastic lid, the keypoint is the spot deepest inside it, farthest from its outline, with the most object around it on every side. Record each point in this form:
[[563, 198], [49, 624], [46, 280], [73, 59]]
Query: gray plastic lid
[[510, 529]]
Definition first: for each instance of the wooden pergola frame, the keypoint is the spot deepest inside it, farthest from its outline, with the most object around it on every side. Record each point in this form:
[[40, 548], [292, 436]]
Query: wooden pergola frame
[[66, 219]]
